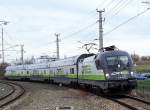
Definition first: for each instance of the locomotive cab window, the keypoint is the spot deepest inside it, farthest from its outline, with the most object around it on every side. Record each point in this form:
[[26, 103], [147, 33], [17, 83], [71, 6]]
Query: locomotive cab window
[[124, 60], [112, 60], [118, 62]]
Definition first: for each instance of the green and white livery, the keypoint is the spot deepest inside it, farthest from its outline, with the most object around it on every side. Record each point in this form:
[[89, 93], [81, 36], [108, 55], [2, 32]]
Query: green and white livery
[[108, 70]]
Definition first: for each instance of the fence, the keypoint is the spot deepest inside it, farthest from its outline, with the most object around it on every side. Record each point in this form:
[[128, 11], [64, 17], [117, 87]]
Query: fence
[[143, 90]]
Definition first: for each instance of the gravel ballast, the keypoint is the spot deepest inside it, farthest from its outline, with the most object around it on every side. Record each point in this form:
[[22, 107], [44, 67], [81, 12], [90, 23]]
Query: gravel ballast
[[43, 96], [5, 90]]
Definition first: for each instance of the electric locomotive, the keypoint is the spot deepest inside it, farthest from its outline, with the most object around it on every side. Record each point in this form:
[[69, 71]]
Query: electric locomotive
[[109, 71]]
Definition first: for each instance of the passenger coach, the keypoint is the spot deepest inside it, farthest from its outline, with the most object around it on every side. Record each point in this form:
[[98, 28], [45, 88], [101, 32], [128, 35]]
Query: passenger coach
[[107, 71]]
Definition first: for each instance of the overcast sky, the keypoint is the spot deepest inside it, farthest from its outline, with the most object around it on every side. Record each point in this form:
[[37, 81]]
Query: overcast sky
[[34, 23]]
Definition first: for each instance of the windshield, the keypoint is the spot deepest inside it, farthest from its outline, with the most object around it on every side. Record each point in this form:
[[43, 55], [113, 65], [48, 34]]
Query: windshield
[[117, 61]]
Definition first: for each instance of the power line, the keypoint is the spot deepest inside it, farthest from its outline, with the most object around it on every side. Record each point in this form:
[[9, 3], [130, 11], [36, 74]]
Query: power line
[[126, 22], [122, 7], [8, 35], [105, 4], [114, 7], [104, 1], [117, 10], [80, 30], [74, 33], [109, 4], [10, 38], [84, 28], [90, 14]]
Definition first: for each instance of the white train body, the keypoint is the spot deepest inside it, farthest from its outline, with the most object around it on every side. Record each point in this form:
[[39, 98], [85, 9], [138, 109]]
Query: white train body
[[100, 70]]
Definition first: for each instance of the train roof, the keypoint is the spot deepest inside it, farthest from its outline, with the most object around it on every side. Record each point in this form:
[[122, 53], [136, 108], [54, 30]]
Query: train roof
[[69, 61], [27, 66], [61, 62], [89, 59], [114, 52]]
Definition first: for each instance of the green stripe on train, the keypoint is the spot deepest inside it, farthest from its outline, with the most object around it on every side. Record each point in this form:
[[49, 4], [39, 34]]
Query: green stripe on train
[[87, 77], [92, 77]]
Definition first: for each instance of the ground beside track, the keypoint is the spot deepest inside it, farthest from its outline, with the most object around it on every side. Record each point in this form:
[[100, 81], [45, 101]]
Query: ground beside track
[[5, 90], [41, 96]]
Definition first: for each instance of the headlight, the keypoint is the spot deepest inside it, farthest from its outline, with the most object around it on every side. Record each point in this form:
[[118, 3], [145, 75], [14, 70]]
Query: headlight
[[132, 73], [107, 75]]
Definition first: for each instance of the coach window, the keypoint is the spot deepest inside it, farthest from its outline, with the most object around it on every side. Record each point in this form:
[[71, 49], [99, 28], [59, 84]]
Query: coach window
[[81, 60], [71, 70], [27, 72]]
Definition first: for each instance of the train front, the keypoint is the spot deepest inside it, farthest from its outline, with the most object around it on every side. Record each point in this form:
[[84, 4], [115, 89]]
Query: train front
[[118, 68]]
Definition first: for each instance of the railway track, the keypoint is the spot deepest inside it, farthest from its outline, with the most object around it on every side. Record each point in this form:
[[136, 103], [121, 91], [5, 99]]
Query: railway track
[[16, 92], [130, 102], [133, 103]]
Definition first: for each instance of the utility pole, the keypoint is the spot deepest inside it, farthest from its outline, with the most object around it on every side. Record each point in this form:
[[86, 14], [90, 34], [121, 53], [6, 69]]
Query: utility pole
[[57, 45], [2, 33], [100, 29], [2, 46], [22, 53]]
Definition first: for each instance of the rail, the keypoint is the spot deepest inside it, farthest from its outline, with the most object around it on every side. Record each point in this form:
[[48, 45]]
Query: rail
[[133, 103], [17, 92]]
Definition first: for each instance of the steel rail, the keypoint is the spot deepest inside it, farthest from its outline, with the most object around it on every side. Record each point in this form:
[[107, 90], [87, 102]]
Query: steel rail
[[138, 99], [7, 95], [12, 99], [121, 103]]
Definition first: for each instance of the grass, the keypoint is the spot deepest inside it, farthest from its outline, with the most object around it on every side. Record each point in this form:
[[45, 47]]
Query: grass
[[144, 82], [144, 85], [143, 68], [1, 75]]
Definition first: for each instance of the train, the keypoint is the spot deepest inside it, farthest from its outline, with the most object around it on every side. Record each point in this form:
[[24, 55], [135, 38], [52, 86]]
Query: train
[[108, 71]]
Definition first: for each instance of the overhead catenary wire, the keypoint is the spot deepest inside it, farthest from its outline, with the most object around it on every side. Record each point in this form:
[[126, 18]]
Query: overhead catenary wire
[[104, 3], [110, 3], [84, 28], [125, 22], [114, 7], [74, 33], [122, 7], [110, 11], [117, 10], [10, 38], [80, 30]]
